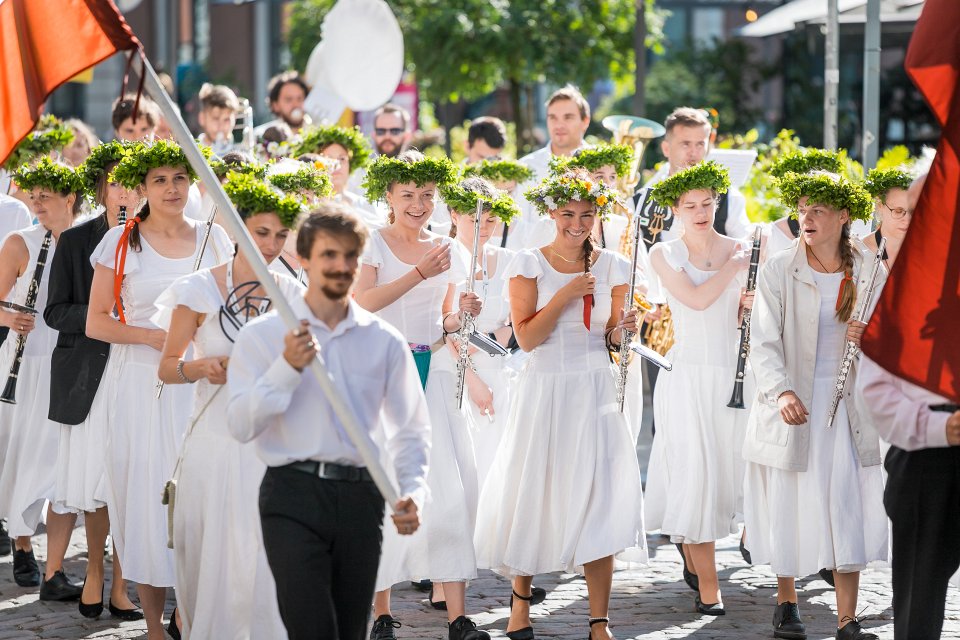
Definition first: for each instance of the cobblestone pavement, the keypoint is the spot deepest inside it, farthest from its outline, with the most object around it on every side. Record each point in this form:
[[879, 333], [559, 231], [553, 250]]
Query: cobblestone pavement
[[648, 602]]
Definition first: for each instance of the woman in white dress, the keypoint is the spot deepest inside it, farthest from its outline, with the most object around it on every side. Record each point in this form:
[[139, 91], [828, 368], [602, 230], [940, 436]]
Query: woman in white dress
[[488, 387], [81, 411], [224, 585], [28, 439], [405, 278], [564, 491], [133, 265], [892, 211], [505, 175], [813, 492], [694, 484], [349, 147]]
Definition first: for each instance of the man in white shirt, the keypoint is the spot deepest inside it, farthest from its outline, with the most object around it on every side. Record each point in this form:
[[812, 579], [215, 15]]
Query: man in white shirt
[[286, 94], [320, 511]]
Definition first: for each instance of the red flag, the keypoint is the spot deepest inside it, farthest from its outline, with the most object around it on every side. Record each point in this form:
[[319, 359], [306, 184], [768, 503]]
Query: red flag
[[915, 331], [42, 45]]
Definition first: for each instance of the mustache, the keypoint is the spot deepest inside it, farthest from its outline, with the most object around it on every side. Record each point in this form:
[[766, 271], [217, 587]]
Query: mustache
[[338, 275]]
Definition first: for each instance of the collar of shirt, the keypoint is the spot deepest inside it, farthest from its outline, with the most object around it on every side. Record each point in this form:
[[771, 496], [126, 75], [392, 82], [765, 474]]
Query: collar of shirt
[[357, 316]]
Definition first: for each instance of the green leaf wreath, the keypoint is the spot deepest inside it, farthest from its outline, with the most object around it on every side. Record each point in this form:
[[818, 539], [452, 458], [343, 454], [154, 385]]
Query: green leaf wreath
[[252, 196], [48, 174], [50, 134], [703, 175], [305, 178], [143, 156], [827, 189], [806, 161], [314, 139], [95, 166], [500, 171], [388, 171], [573, 184], [464, 201], [881, 181], [619, 156], [255, 169]]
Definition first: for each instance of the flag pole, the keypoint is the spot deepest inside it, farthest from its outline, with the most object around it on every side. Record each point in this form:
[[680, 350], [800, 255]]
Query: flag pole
[[247, 247]]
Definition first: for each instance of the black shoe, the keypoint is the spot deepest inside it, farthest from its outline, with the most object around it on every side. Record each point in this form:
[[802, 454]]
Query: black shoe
[[787, 623], [5, 546], [26, 571], [526, 633], [689, 577], [125, 614], [60, 589], [383, 628], [172, 629], [463, 628], [439, 605], [423, 585], [853, 631], [745, 553], [90, 610], [827, 576], [715, 609]]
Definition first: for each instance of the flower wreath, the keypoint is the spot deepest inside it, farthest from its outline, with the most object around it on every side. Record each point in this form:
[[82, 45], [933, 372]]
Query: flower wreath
[[252, 196], [256, 169], [703, 175], [50, 134], [306, 178], [388, 171], [807, 161], [464, 201], [827, 189], [313, 139], [619, 156], [101, 157], [143, 156], [48, 174], [500, 171], [572, 184], [880, 181]]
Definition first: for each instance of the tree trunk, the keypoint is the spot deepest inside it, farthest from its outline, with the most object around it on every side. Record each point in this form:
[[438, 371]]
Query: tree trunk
[[518, 117], [640, 57], [531, 110]]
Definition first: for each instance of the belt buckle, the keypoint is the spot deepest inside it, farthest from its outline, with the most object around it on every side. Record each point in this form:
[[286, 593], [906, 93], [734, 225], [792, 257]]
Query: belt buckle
[[322, 470]]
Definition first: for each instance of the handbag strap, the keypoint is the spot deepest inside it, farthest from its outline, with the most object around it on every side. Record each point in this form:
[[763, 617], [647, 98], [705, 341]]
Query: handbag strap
[[183, 447]]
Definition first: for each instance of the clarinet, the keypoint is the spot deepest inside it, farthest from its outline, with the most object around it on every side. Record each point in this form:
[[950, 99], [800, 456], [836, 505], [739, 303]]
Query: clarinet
[[122, 216], [627, 336], [467, 326], [736, 399], [9, 394], [851, 350]]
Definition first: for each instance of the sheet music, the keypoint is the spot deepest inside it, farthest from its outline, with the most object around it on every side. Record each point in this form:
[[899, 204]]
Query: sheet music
[[737, 161]]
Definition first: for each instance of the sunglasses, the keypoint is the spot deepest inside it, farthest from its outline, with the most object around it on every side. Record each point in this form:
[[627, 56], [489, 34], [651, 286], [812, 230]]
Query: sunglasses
[[395, 131]]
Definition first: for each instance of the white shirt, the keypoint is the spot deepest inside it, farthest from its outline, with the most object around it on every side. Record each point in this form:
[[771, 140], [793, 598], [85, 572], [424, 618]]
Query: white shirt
[[900, 411], [14, 215], [288, 418]]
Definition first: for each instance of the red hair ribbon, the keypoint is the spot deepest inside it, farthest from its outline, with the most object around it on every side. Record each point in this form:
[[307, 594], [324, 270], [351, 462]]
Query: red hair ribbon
[[847, 279], [587, 310], [119, 262]]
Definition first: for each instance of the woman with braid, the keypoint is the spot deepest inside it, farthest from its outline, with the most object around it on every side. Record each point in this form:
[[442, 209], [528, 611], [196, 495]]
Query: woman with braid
[[563, 492], [813, 492]]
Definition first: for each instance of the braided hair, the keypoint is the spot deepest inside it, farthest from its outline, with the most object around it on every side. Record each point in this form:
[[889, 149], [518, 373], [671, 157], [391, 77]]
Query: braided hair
[[848, 297]]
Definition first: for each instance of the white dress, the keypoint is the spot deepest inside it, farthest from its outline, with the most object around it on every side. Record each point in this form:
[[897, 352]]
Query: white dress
[[777, 240], [81, 479], [831, 515], [494, 371], [224, 585], [442, 549], [28, 440], [694, 487], [143, 431], [564, 488]]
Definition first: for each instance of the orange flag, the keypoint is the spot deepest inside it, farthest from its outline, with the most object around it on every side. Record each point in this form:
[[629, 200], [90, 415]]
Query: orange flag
[[44, 44]]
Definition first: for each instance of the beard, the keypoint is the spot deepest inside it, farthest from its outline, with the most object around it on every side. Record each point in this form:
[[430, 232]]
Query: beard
[[388, 148], [333, 292]]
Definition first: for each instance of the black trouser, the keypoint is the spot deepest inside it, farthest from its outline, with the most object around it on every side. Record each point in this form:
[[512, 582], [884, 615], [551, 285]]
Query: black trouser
[[322, 539], [922, 498]]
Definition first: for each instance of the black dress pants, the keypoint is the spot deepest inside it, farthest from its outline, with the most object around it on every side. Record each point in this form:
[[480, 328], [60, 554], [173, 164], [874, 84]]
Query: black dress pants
[[322, 539], [922, 499]]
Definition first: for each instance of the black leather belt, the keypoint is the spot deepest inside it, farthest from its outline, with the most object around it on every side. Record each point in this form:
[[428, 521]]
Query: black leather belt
[[946, 408], [331, 471]]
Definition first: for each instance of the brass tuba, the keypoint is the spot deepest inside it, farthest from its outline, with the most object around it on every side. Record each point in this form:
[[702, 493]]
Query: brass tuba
[[637, 133]]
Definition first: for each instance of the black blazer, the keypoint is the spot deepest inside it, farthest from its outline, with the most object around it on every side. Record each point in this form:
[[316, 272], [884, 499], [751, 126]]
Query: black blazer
[[78, 361]]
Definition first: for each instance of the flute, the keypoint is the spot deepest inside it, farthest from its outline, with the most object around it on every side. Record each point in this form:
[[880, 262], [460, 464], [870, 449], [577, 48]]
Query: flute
[[467, 325], [626, 336], [852, 350], [736, 398]]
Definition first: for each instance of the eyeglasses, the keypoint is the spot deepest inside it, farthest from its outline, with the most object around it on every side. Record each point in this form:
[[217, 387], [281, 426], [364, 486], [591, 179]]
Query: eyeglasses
[[899, 212], [394, 131]]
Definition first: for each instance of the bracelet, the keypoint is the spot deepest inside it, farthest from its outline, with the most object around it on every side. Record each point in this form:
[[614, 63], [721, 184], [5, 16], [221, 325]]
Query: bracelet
[[419, 273], [183, 378]]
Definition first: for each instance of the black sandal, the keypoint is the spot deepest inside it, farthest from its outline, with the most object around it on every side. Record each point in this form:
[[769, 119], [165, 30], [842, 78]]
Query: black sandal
[[594, 621], [527, 632], [688, 576]]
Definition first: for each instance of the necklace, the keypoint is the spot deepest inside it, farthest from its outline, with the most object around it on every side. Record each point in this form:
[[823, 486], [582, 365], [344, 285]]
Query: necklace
[[557, 254], [709, 252], [822, 266]]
